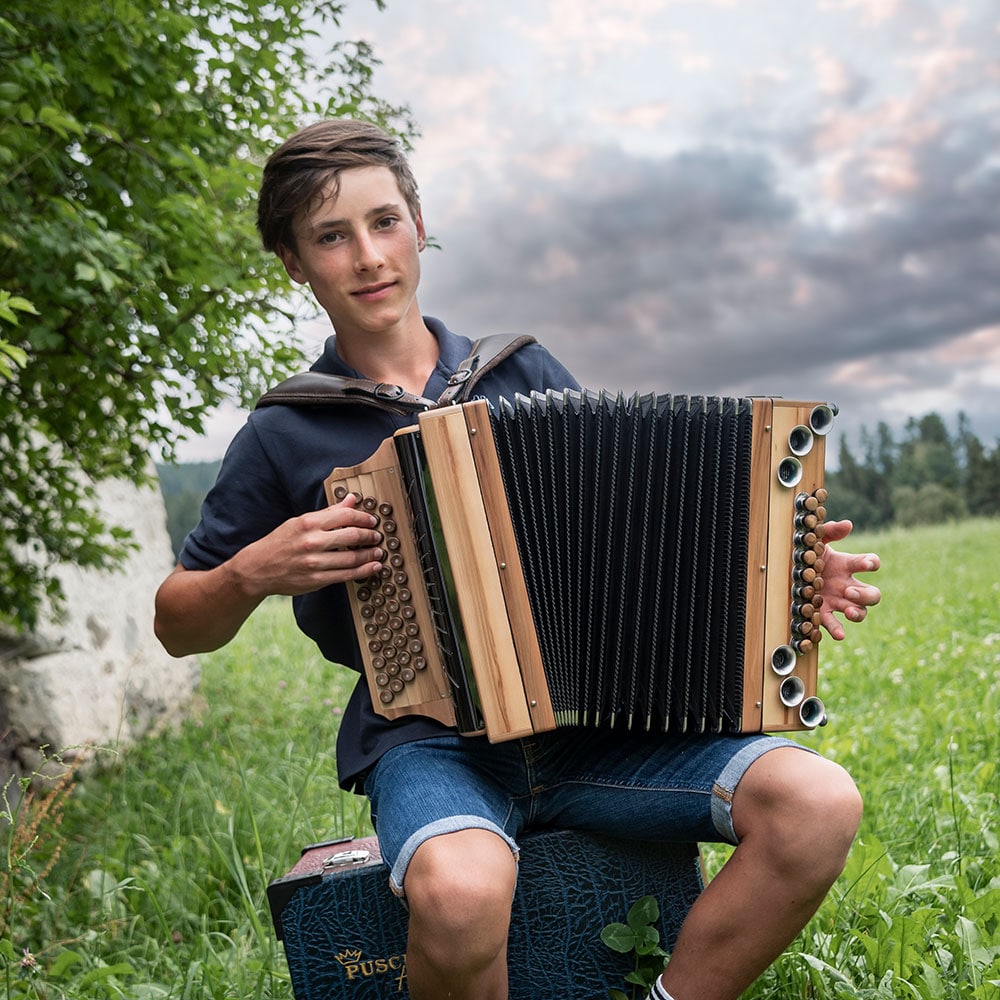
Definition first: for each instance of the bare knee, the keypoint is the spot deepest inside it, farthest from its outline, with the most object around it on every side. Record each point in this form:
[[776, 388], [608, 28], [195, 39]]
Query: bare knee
[[459, 888], [805, 807]]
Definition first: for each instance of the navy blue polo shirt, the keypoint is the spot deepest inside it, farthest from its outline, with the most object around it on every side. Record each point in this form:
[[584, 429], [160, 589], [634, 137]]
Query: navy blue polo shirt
[[274, 469]]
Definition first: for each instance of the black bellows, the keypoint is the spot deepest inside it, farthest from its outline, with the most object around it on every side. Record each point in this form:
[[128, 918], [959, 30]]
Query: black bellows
[[632, 518]]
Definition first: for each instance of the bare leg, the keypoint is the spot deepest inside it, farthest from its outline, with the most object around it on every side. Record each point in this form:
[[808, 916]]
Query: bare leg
[[796, 815], [459, 888]]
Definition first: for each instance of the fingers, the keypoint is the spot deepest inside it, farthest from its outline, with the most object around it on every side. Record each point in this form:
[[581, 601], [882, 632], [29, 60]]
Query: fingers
[[332, 545], [865, 562], [843, 593], [345, 526], [864, 595], [353, 537], [836, 531], [853, 603]]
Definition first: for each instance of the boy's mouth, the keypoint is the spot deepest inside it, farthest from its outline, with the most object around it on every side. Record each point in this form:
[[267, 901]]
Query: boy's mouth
[[372, 289]]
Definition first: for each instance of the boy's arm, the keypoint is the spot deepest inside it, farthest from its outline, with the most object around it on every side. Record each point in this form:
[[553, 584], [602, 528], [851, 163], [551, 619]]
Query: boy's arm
[[201, 610]]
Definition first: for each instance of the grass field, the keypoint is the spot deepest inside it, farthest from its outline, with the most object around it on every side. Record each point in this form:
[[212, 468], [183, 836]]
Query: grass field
[[148, 880]]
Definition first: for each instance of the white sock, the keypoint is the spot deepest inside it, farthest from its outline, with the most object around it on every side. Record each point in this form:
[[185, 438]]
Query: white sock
[[658, 992]]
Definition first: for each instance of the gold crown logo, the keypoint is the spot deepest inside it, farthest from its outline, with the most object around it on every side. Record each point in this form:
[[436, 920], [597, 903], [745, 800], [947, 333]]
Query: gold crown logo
[[349, 956]]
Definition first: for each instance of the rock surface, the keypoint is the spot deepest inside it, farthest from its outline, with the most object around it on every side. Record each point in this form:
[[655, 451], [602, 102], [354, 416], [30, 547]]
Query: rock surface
[[96, 677]]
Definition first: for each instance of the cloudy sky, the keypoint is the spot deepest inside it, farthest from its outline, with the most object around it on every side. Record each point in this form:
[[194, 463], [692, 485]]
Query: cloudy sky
[[790, 197]]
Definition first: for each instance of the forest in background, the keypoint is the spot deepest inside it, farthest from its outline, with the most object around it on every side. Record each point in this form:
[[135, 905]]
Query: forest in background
[[184, 486], [924, 475]]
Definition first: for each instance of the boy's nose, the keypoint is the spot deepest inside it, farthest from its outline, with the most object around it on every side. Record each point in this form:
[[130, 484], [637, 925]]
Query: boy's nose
[[368, 257]]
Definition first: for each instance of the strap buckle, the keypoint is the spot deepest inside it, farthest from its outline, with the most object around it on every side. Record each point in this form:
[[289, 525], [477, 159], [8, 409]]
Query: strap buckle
[[388, 392]]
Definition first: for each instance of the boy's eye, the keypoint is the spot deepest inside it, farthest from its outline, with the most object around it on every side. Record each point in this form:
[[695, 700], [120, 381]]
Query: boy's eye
[[387, 222]]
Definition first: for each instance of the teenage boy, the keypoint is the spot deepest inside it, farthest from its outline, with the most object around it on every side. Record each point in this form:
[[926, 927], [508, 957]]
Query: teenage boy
[[339, 206]]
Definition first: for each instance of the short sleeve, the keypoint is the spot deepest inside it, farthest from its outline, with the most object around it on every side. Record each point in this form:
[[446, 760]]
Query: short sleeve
[[247, 502]]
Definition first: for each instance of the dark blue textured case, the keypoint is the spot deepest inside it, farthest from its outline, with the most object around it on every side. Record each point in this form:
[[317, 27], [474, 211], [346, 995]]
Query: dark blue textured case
[[344, 932]]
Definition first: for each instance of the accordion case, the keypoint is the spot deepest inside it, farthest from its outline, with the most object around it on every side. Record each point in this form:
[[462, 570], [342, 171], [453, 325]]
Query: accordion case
[[344, 933], [647, 563]]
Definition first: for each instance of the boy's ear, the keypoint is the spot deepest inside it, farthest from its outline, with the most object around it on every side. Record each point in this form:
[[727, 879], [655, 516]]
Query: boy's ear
[[291, 262], [421, 232]]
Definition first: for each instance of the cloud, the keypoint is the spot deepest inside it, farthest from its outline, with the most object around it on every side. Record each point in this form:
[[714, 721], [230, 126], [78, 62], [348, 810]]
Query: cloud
[[577, 35], [785, 197], [704, 271], [873, 12]]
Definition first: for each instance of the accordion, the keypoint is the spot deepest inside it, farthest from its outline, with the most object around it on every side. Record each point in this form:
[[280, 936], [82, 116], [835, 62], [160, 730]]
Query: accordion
[[647, 563]]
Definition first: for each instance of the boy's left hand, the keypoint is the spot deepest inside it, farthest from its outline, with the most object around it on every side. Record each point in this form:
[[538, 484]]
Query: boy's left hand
[[842, 592]]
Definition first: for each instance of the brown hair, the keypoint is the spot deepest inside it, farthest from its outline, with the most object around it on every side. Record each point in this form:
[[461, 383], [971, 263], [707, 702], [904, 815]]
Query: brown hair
[[299, 172]]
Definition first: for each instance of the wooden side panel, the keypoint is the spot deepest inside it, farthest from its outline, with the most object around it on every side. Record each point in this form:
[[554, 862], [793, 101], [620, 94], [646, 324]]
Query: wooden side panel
[[757, 566], [477, 577], [508, 561], [383, 616], [774, 572]]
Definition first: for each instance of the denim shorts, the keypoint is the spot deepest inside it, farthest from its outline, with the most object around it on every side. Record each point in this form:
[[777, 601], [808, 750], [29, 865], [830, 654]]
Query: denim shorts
[[644, 788]]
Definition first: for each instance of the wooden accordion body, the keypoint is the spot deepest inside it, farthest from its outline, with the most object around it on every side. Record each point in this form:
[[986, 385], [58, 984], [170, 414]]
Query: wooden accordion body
[[646, 563]]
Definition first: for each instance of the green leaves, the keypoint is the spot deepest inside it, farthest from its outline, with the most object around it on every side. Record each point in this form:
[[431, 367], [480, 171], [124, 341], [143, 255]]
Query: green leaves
[[640, 936], [12, 357], [131, 140]]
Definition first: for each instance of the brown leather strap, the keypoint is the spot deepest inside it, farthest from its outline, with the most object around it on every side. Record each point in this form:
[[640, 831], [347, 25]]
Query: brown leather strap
[[321, 389], [487, 353]]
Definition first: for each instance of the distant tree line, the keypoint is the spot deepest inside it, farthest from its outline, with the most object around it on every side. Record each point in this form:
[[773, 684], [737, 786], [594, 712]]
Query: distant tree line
[[184, 487], [927, 476]]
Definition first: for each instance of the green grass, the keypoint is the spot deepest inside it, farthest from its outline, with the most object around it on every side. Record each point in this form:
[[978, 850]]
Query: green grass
[[159, 864]]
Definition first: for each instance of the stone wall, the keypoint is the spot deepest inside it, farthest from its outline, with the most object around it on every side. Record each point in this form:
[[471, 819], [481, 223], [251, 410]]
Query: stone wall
[[98, 677]]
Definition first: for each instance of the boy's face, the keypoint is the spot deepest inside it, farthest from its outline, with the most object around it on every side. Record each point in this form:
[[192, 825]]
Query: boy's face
[[358, 252]]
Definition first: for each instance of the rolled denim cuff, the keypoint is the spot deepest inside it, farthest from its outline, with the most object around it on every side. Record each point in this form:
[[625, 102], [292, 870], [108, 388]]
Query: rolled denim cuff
[[725, 784], [450, 824]]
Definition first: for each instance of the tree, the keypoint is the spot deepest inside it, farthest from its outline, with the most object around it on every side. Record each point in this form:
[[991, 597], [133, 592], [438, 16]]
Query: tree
[[981, 472], [927, 455], [931, 503], [131, 139], [860, 492]]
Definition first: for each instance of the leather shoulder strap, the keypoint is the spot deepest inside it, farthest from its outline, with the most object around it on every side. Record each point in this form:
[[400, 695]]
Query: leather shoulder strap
[[323, 389], [486, 354]]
